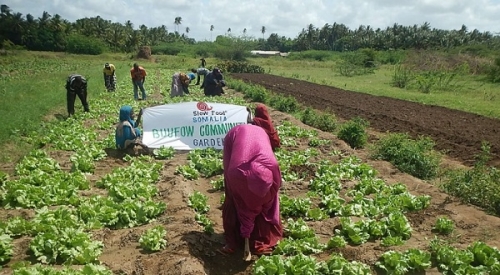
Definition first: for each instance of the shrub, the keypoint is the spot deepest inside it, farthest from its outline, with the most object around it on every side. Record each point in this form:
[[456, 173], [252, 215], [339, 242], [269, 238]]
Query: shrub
[[479, 186], [414, 157], [493, 71], [287, 104], [239, 67], [323, 121], [80, 44], [354, 132], [402, 76]]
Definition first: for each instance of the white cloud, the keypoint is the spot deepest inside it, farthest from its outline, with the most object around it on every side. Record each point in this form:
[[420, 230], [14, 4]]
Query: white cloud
[[286, 18]]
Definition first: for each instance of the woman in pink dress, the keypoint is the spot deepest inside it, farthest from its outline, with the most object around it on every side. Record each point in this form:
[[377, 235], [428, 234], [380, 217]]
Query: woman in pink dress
[[250, 213]]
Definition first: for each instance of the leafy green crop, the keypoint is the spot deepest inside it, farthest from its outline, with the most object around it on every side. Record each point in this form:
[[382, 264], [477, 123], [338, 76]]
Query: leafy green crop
[[66, 245], [154, 239], [198, 202], [6, 248], [444, 225], [164, 152]]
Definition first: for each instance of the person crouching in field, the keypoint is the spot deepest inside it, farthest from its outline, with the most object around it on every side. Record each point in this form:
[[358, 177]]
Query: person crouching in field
[[200, 72], [76, 85], [180, 84], [127, 133], [213, 83], [251, 212], [109, 77]]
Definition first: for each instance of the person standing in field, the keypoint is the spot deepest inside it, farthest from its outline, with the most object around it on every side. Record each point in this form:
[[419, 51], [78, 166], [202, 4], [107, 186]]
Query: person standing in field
[[109, 77], [203, 62], [76, 85], [180, 84], [213, 83], [200, 72], [138, 75], [251, 212]]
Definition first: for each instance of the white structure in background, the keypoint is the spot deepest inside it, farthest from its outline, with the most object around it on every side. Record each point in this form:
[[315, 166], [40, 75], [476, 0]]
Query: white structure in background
[[269, 53]]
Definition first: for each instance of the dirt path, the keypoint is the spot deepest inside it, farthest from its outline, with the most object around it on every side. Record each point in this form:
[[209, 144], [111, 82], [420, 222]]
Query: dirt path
[[457, 133]]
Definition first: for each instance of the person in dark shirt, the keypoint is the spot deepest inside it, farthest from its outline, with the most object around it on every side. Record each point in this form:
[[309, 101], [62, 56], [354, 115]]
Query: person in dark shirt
[[76, 85]]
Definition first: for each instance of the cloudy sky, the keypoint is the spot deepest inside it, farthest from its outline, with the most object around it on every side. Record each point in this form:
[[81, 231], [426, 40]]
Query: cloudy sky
[[286, 18]]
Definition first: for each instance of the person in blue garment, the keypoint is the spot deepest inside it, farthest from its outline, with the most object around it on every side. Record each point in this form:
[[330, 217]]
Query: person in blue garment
[[127, 132]]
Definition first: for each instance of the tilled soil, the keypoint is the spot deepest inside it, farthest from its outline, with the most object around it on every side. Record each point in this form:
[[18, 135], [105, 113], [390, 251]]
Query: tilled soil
[[459, 134]]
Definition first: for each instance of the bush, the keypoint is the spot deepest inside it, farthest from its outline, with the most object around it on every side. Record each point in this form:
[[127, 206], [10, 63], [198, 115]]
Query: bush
[[402, 76], [166, 49], [323, 121], [354, 132], [287, 104], [239, 67], [80, 44], [493, 71], [312, 55], [414, 157], [479, 186]]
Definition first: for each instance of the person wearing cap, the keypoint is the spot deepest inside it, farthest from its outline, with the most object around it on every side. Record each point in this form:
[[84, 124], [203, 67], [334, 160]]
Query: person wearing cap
[[213, 83], [138, 75], [200, 72], [76, 85], [180, 83], [109, 77]]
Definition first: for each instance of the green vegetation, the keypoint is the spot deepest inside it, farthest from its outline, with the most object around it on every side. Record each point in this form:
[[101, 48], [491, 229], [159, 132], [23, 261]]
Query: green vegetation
[[153, 239], [479, 186], [414, 157], [354, 132], [369, 209]]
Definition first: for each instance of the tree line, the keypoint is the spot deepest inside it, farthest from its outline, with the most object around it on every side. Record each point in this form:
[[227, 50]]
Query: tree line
[[53, 33]]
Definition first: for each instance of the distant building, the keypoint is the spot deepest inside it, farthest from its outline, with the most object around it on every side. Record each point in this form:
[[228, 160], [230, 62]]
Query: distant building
[[269, 53]]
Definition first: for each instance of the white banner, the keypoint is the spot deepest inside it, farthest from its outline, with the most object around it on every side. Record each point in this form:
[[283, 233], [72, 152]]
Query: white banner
[[190, 125]]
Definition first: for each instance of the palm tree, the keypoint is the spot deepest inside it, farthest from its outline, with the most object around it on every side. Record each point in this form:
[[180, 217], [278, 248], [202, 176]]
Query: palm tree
[[263, 31], [211, 30], [229, 30], [178, 21], [245, 31], [187, 29]]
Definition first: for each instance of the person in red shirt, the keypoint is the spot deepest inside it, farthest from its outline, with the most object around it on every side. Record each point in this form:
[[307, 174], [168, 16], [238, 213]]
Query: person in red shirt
[[138, 75]]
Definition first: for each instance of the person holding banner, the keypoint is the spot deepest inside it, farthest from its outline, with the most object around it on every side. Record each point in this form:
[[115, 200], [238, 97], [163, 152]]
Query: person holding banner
[[180, 84], [263, 120], [127, 133], [251, 213]]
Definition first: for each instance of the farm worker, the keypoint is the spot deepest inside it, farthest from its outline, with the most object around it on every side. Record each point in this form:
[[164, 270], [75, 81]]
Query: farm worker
[[138, 75], [262, 119], [127, 132], [213, 83], [76, 85], [180, 84], [109, 77], [251, 213], [200, 72], [203, 62]]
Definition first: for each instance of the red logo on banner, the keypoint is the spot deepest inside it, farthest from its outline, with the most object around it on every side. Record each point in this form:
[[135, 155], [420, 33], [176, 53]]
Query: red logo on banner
[[202, 106]]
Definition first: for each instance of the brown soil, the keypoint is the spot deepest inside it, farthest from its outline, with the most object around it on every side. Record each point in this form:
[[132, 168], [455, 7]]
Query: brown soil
[[190, 251], [458, 133]]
